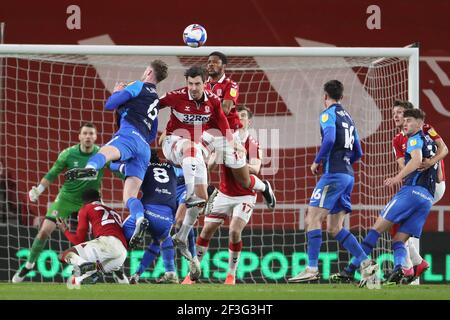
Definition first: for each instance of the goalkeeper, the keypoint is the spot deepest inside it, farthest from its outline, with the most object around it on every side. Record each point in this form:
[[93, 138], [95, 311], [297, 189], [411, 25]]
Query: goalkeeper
[[68, 199]]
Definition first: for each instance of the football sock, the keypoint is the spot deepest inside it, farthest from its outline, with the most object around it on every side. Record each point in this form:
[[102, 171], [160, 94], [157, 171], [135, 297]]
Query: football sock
[[256, 184], [136, 208], [369, 242], [168, 255], [416, 258], [351, 268], [408, 262], [202, 247], [399, 254], [234, 250], [150, 255], [349, 242], [191, 242], [96, 162], [188, 223], [36, 249], [314, 243]]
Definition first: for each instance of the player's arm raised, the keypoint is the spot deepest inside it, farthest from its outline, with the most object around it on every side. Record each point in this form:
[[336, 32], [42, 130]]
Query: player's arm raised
[[122, 93], [51, 175]]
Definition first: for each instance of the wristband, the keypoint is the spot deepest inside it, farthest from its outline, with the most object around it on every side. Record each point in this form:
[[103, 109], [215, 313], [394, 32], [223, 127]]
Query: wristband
[[40, 188]]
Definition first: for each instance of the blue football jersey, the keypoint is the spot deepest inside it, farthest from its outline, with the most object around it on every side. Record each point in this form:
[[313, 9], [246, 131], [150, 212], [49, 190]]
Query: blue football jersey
[[160, 185], [142, 109], [427, 178], [338, 160]]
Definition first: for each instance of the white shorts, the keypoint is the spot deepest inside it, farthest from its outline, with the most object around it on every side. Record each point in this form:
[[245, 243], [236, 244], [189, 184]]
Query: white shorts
[[225, 151], [172, 147], [223, 206], [107, 251], [439, 192]]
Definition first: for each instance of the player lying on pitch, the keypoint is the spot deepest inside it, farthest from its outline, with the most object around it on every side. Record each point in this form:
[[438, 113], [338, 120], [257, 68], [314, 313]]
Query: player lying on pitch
[[106, 253]]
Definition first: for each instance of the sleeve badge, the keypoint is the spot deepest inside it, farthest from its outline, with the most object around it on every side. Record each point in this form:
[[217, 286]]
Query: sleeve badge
[[324, 118], [432, 132], [413, 142], [233, 92]]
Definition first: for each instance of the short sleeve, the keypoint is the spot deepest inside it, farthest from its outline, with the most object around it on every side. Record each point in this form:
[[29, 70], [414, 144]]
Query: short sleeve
[[134, 88], [414, 143], [328, 119]]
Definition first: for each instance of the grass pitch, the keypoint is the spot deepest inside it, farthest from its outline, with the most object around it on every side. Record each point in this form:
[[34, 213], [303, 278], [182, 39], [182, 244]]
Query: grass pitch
[[42, 291]]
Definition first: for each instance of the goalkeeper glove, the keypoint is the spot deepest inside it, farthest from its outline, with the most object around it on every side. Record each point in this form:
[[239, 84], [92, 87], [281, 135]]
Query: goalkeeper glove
[[35, 192]]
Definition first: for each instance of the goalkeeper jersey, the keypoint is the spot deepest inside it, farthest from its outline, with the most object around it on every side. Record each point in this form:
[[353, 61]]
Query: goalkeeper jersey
[[70, 158]]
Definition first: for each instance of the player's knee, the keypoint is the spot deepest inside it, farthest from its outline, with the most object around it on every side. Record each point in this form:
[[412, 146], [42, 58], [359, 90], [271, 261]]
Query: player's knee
[[207, 232], [333, 230], [235, 236]]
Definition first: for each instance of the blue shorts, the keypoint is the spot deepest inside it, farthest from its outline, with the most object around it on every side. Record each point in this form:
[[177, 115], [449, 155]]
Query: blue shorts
[[181, 194], [410, 208], [333, 192], [160, 218], [134, 151]]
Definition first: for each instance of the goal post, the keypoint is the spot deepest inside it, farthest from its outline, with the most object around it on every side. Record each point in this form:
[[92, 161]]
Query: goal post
[[49, 90]]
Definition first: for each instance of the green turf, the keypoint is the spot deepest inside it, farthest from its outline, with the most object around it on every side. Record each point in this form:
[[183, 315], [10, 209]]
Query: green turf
[[221, 292]]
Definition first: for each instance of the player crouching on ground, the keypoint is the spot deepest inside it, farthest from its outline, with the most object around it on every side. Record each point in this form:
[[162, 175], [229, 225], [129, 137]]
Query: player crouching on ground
[[232, 200], [106, 253]]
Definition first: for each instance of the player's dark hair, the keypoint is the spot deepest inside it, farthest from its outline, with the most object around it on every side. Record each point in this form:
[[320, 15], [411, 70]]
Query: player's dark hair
[[221, 56], [90, 195], [244, 108], [196, 71], [334, 89], [160, 68], [404, 104], [154, 158], [414, 113], [87, 125]]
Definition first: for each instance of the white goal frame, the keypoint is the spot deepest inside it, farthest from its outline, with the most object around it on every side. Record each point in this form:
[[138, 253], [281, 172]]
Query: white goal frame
[[410, 53]]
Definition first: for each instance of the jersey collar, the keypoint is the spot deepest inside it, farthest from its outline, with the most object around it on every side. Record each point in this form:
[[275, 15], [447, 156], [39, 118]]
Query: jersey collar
[[205, 96], [86, 153], [219, 81], [333, 105]]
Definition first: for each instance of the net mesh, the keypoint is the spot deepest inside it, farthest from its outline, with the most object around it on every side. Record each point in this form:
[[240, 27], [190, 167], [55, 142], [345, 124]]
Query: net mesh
[[45, 98]]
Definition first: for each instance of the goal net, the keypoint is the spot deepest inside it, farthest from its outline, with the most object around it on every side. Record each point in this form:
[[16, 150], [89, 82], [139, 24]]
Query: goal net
[[46, 96]]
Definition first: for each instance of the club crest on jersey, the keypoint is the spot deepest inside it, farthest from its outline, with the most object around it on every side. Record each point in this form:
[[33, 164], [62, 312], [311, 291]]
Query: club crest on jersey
[[432, 132], [324, 117], [75, 164], [187, 108], [233, 92], [219, 92], [207, 109], [413, 142]]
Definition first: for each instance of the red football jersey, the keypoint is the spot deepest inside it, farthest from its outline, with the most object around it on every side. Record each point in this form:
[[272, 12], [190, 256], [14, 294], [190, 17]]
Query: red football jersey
[[400, 140], [227, 89], [104, 221], [189, 118], [229, 185]]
